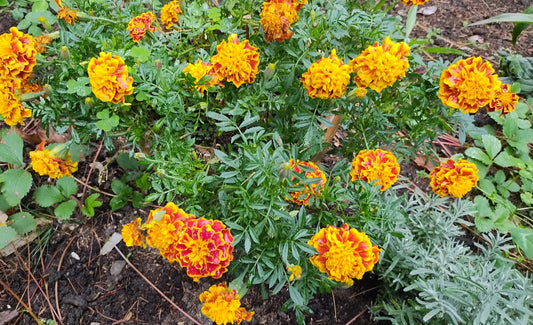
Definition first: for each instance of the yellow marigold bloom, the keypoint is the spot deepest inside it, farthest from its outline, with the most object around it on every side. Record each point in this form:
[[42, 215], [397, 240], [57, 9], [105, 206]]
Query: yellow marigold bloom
[[276, 18], [17, 54], [327, 78], [454, 178], [235, 61], [140, 24], [68, 15], [379, 66], [377, 164], [109, 78], [204, 248], [169, 14], [200, 69], [504, 100], [27, 87], [343, 253], [42, 41], [302, 197], [414, 2], [11, 109], [468, 85], [48, 162], [298, 4], [296, 272], [132, 234], [223, 305]]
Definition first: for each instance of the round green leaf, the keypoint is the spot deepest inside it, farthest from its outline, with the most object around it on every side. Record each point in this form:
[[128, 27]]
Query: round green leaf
[[7, 234], [48, 195], [65, 209], [23, 222]]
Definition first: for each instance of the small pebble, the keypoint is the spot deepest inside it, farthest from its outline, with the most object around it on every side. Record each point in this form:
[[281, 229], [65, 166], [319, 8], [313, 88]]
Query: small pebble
[[75, 256]]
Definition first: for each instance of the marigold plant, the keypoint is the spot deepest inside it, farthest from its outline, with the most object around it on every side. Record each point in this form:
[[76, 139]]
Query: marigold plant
[[379, 66], [468, 85], [296, 272], [68, 15], [377, 164], [18, 55], [327, 78], [343, 253], [276, 19], [109, 78], [139, 25], [132, 234], [11, 109], [454, 178], [199, 70], [309, 190], [414, 2], [169, 14], [504, 101], [223, 305], [55, 163], [235, 61]]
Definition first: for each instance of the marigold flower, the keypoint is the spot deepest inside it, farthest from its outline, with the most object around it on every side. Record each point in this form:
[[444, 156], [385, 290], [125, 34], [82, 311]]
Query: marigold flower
[[343, 253], [454, 178], [377, 164], [414, 2], [11, 109], [296, 272], [200, 69], [327, 78], [169, 14], [235, 61], [132, 234], [223, 305], [204, 248], [302, 197], [298, 4], [504, 100], [42, 41], [140, 24], [49, 162], [276, 18], [109, 78], [27, 87], [68, 15], [468, 85], [379, 66], [17, 54]]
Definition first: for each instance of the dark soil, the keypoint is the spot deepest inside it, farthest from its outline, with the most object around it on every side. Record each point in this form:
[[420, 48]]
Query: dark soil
[[84, 290]]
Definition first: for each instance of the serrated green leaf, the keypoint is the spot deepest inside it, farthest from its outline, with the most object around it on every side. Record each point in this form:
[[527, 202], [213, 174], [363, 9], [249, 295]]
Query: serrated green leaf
[[523, 238], [126, 161], [140, 53], [504, 160], [48, 195], [91, 202], [67, 186], [527, 198], [3, 3], [79, 87], [65, 209], [137, 200], [479, 155], [7, 234], [11, 148], [22, 222], [106, 122], [16, 184], [510, 127], [121, 189], [491, 144], [486, 186], [117, 203]]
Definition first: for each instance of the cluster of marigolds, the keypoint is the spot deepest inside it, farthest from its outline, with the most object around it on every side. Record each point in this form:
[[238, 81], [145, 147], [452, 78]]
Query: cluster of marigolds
[[204, 247]]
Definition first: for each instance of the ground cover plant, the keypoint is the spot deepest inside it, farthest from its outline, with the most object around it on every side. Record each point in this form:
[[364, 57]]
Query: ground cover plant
[[220, 115]]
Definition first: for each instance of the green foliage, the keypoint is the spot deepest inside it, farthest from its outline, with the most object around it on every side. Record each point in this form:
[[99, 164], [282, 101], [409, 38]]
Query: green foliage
[[49, 195], [91, 202]]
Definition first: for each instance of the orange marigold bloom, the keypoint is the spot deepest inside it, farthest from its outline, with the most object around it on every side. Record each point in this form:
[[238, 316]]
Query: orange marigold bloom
[[302, 197], [327, 78], [11, 109], [42, 41], [49, 162], [132, 234], [235, 61], [204, 248], [414, 2], [454, 178], [296, 272], [17, 54], [343, 253], [140, 24], [504, 100], [276, 18], [200, 69], [377, 164], [169, 14], [468, 85], [68, 15], [223, 305], [298, 4], [379, 66], [109, 78], [27, 87]]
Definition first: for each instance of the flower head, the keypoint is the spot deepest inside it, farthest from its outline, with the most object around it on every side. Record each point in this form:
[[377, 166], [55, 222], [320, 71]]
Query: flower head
[[68, 15], [327, 78], [223, 305], [468, 85], [204, 248], [454, 178], [18, 55], [504, 101], [414, 2], [54, 163], [199, 70], [379, 66], [169, 14], [140, 24], [235, 61], [296, 272], [109, 78], [343, 253], [314, 189], [11, 109], [132, 234], [377, 164], [42, 41], [276, 18]]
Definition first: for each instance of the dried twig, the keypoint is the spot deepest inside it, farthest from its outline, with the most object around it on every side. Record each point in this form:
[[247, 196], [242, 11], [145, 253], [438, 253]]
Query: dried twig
[[357, 316], [26, 307], [91, 169]]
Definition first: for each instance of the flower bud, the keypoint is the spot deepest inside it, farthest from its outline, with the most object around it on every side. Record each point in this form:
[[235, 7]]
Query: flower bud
[[47, 89], [284, 170], [60, 150], [65, 54], [313, 15], [45, 23], [139, 156], [269, 71], [89, 101], [357, 93], [158, 64], [161, 172]]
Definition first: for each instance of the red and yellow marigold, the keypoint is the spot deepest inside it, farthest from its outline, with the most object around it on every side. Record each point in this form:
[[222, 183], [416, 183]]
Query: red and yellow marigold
[[223, 305], [109, 78], [314, 190], [296, 272], [377, 164], [68, 15], [327, 78], [276, 19], [414, 2], [169, 14], [12, 111], [504, 101], [468, 85], [235, 61], [18, 55], [454, 178], [343, 253], [139, 25], [379, 66], [132, 234], [199, 70], [55, 163]]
